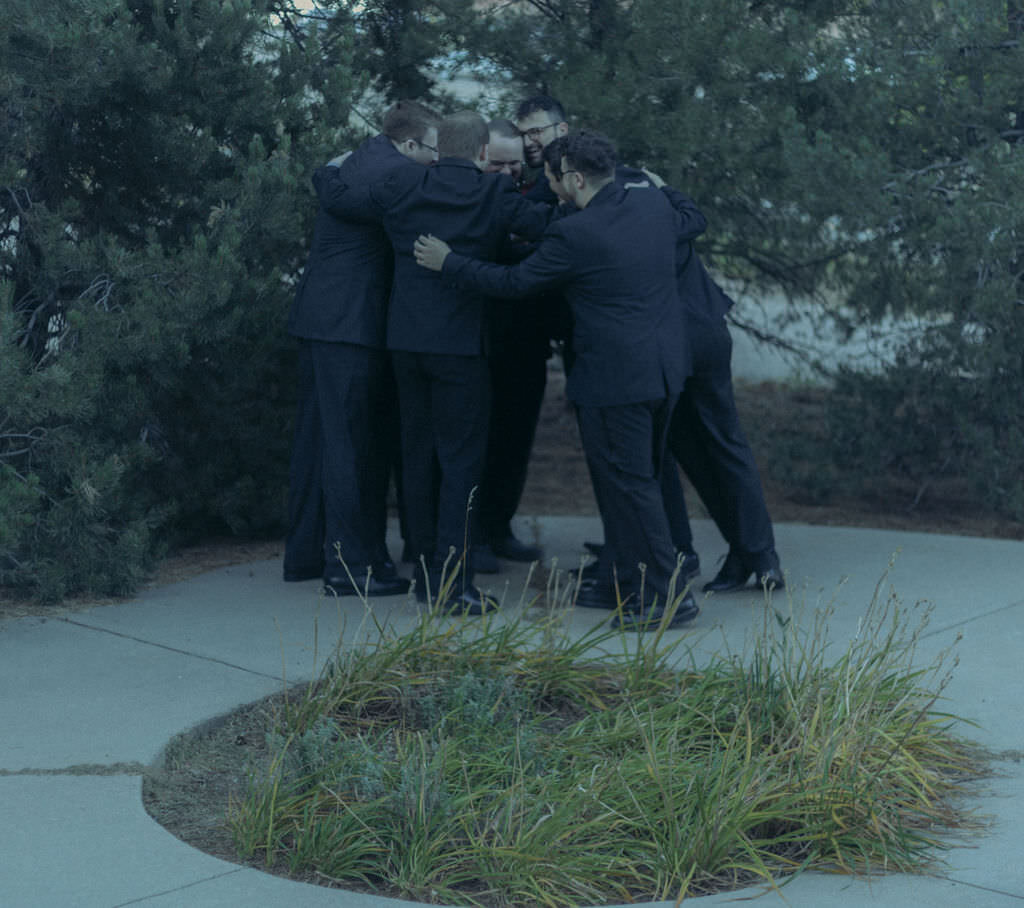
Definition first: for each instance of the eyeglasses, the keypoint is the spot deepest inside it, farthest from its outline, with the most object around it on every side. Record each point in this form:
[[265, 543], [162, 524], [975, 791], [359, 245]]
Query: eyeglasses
[[500, 165], [564, 172], [536, 132], [425, 145]]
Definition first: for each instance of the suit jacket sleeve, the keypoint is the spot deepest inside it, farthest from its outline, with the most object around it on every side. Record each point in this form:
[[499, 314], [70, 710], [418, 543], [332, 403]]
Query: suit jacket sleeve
[[350, 199], [692, 222], [551, 263], [525, 218]]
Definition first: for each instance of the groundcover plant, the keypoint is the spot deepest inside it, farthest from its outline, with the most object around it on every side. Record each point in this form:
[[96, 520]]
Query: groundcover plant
[[502, 761]]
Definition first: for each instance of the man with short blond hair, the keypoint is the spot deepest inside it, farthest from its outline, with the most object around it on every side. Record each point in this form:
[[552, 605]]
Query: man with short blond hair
[[436, 335], [464, 134], [412, 128], [347, 415]]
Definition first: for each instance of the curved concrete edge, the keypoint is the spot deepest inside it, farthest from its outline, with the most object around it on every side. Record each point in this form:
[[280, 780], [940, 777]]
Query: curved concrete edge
[[91, 698]]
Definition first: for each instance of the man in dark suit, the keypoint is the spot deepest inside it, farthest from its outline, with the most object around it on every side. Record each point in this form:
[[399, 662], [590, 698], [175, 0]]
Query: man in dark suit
[[436, 334], [691, 224], [705, 436], [517, 354], [520, 345], [706, 439], [341, 457], [541, 121], [614, 259]]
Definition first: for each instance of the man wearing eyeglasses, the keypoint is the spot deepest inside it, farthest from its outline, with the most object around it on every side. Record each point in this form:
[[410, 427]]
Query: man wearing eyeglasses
[[520, 346], [541, 120], [436, 335], [347, 425]]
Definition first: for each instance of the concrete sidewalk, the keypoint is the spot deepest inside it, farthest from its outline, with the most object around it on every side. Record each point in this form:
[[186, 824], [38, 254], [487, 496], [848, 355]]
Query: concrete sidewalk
[[89, 699]]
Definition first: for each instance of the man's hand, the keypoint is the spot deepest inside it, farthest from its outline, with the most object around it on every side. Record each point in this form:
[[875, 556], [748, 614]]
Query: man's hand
[[654, 178], [339, 160], [431, 252]]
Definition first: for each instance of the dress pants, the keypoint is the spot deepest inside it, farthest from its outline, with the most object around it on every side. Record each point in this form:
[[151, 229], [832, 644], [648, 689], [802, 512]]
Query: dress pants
[[675, 507], [518, 366], [340, 465], [706, 439], [444, 401], [625, 446]]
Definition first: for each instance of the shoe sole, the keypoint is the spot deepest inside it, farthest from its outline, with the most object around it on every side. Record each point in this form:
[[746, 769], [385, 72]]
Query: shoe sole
[[348, 590], [746, 585], [303, 576], [678, 620]]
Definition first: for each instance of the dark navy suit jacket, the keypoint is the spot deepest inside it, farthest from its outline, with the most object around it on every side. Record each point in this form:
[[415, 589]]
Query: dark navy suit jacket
[[615, 261], [344, 290], [701, 297], [454, 200]]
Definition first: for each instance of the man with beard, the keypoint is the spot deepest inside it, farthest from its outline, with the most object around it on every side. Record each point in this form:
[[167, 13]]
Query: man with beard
[[614, 260]]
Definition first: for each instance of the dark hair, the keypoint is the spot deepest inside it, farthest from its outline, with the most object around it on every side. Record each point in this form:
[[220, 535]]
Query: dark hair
[[462, 135], [541, 102], [591, 153], [409, 120], [503, 128], [553, 153]]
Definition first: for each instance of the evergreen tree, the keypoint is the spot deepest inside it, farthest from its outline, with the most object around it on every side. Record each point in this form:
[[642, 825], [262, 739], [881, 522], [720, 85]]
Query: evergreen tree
[[155, 205], [860, 151]]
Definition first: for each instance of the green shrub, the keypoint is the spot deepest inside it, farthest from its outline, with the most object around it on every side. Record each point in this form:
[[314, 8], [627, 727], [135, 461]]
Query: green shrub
[[154, 211], [504, 763]]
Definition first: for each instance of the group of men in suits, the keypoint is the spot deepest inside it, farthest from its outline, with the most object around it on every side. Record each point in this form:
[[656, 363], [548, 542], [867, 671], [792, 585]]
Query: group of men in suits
[[436, 280]]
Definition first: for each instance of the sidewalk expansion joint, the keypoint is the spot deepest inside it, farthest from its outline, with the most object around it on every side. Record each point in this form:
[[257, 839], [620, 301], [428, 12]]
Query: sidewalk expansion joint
[[170, 649], [1010, 895], [158, 895], [971, 620], [82, 769]]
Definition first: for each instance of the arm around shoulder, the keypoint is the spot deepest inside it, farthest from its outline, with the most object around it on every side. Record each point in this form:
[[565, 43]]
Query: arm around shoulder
[[691, 222], [550, 264]]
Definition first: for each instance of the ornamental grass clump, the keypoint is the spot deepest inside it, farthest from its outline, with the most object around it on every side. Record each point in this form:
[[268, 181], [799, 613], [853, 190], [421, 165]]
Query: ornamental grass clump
[[497, 762]]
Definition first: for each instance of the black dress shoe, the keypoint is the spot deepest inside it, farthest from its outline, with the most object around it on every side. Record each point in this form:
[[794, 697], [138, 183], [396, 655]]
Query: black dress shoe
[[484, 559], [650, 618], [594, 594], [595, 548], [386, 570], [469, 602], [340, 585], [512, 549], [689, 567], [735, 573], [298, 575], [771, 579]]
